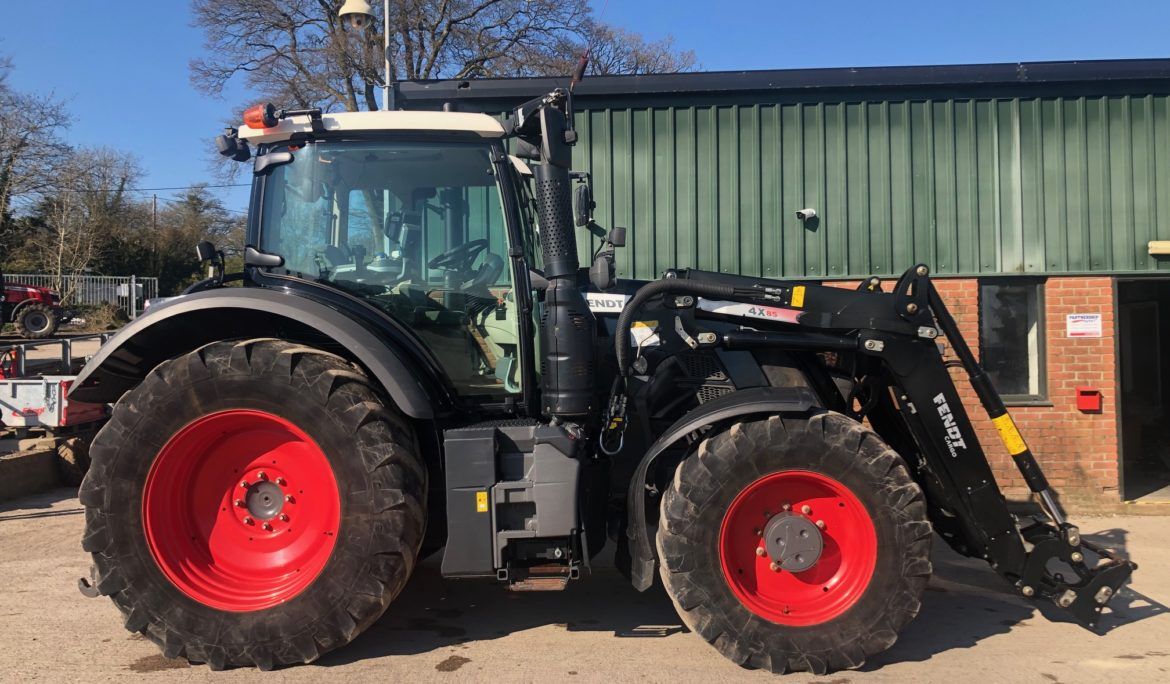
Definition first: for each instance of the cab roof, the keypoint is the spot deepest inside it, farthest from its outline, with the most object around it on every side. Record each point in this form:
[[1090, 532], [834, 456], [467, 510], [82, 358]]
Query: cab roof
[[453, 122]]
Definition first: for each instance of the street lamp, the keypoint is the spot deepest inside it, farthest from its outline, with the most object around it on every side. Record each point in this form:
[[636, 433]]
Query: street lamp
[[358, 14]]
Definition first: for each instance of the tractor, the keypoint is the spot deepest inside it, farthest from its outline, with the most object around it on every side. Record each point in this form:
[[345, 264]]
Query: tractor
[[34, 311], [414, 360]]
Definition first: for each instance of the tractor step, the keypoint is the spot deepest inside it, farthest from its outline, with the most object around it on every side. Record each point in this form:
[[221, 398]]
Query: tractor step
[[541, 578]]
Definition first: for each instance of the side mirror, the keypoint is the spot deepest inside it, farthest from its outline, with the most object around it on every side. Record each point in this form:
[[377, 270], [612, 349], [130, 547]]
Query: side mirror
[[603, 272], [229, 145], [204, 251], [583, 204], [617, 237]]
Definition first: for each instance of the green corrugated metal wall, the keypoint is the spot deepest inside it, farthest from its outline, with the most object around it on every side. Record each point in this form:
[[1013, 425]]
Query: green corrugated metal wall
[[968, 186]]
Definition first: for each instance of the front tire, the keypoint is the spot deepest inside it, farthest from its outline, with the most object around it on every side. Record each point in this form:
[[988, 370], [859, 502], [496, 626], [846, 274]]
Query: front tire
[[253, 503], [36, 321], [795, 543]]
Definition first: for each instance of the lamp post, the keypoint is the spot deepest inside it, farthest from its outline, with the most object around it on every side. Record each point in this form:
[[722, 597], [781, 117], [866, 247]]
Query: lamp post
[[358, 14]]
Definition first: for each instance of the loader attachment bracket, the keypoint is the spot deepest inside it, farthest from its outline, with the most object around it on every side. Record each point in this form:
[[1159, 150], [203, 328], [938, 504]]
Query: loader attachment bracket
[[1084, 597]]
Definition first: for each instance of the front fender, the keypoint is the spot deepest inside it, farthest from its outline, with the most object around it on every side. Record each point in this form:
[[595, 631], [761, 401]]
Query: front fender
[[191, 321], [754, 401]]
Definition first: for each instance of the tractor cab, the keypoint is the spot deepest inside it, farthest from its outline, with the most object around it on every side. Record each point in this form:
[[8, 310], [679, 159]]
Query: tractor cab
[[417, 224]]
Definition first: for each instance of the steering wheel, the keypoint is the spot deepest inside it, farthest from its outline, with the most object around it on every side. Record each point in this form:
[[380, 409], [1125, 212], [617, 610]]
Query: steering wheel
[[459, 259], [487, 274]]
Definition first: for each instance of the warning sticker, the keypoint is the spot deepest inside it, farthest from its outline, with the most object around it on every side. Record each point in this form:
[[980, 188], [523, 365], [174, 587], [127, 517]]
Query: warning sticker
[[798, 296], [1083, 325], [1010, 435], [771, 313], [644, 334], [481, 502]]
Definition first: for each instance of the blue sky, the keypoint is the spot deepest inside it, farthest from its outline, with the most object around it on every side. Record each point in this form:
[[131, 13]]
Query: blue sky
[[122, 65]]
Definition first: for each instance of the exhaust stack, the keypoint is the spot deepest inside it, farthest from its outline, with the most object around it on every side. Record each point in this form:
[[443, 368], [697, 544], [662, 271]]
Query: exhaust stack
[[567, 327]]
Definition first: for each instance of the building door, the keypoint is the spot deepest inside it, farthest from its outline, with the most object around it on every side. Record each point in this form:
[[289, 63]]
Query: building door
[[1144, 369]]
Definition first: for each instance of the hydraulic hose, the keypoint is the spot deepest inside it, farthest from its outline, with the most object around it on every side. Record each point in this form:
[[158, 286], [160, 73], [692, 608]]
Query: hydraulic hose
[[659, 287]]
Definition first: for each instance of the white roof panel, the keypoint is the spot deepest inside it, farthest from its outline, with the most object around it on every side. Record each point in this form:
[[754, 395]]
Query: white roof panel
[[480, 124]]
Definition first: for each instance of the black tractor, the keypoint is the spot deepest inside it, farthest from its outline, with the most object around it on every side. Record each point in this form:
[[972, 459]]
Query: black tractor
[[417, 361]]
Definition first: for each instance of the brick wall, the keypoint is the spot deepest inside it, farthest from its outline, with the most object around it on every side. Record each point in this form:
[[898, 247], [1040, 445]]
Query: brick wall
[[1078, 451]]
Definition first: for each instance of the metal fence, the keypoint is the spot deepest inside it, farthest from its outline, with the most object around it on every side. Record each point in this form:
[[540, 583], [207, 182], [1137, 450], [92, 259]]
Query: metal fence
[[84, 290]]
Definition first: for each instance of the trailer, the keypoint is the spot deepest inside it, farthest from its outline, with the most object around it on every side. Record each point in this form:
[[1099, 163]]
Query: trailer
[[34, 392]]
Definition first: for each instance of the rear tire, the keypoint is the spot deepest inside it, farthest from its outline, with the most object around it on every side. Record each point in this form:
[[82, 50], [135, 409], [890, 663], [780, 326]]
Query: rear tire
[[36, 321], [194, 432], [869, 576]]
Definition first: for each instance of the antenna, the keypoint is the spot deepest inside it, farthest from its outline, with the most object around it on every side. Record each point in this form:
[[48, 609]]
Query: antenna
[[579, 72]]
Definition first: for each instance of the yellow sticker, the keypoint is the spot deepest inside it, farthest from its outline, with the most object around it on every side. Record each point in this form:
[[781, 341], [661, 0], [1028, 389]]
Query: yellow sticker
[[798, 296], [481, 502], [1010, 435]]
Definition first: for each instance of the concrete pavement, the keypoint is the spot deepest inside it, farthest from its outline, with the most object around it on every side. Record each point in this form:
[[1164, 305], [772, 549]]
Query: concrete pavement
[[970, 629]]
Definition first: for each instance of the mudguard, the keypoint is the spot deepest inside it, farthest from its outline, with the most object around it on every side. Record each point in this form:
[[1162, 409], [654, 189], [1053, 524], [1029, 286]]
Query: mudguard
[[754, 401], [191, 321]]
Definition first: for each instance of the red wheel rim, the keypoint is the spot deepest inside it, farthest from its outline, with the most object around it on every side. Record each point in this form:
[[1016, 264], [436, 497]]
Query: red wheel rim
[[828, 588], [241, 510]]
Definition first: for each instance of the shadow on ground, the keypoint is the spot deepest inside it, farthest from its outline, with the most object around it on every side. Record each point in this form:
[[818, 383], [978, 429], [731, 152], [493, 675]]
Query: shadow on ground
[[964, 604], [1129, 605], [44, 500], [433, 613]]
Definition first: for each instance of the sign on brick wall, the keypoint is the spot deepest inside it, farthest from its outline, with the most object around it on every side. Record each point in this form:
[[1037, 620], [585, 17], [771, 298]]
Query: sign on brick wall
[[1083, 325]]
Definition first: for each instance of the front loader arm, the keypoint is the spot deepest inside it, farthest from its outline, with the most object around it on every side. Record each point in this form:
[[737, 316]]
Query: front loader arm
[[932, 409], [920, 413]]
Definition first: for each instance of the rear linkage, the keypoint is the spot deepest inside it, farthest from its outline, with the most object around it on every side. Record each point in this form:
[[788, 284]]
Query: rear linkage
[[967, 507]]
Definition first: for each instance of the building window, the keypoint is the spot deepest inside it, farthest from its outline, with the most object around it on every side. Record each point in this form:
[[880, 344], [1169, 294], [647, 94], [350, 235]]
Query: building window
[[1011, 338]]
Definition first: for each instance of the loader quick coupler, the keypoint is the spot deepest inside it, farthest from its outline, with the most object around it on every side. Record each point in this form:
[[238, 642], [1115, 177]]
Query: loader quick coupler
[[1083, 597]]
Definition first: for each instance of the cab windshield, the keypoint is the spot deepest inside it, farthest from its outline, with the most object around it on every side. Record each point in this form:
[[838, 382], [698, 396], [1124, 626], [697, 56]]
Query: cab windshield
[[416, 229]]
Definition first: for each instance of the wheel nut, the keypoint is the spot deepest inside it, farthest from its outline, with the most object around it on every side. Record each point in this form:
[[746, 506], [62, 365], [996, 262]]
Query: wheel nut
[[244, 484], [280, 481], [283, 517], [775, 566], [267, 527], [760, 551], [1027, 591], [262, 475], [1076, 556], [759, 532], [787, 507], [240, 503], [247, 520], [806, 509], [288, 498], [821, 524]]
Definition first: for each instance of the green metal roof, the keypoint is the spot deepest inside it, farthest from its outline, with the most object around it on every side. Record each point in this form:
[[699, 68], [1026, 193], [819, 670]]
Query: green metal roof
[[1041, 169]]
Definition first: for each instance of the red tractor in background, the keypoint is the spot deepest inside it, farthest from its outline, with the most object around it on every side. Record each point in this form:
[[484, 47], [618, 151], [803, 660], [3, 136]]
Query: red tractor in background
[[35, 311]]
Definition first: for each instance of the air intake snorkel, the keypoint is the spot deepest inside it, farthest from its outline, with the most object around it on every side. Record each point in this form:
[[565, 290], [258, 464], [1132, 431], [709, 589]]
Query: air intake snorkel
[[544, 132]]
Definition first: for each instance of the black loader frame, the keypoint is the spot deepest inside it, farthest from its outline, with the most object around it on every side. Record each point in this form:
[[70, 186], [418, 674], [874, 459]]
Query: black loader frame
[[909, 397]]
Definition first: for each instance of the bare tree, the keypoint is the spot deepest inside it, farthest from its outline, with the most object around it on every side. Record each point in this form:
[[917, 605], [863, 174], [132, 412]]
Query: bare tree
[[298, 52], [30, 146], [614, 50], [90, 203]]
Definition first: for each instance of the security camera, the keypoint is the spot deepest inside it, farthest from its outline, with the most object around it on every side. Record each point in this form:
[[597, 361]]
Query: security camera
[[806, 214]]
